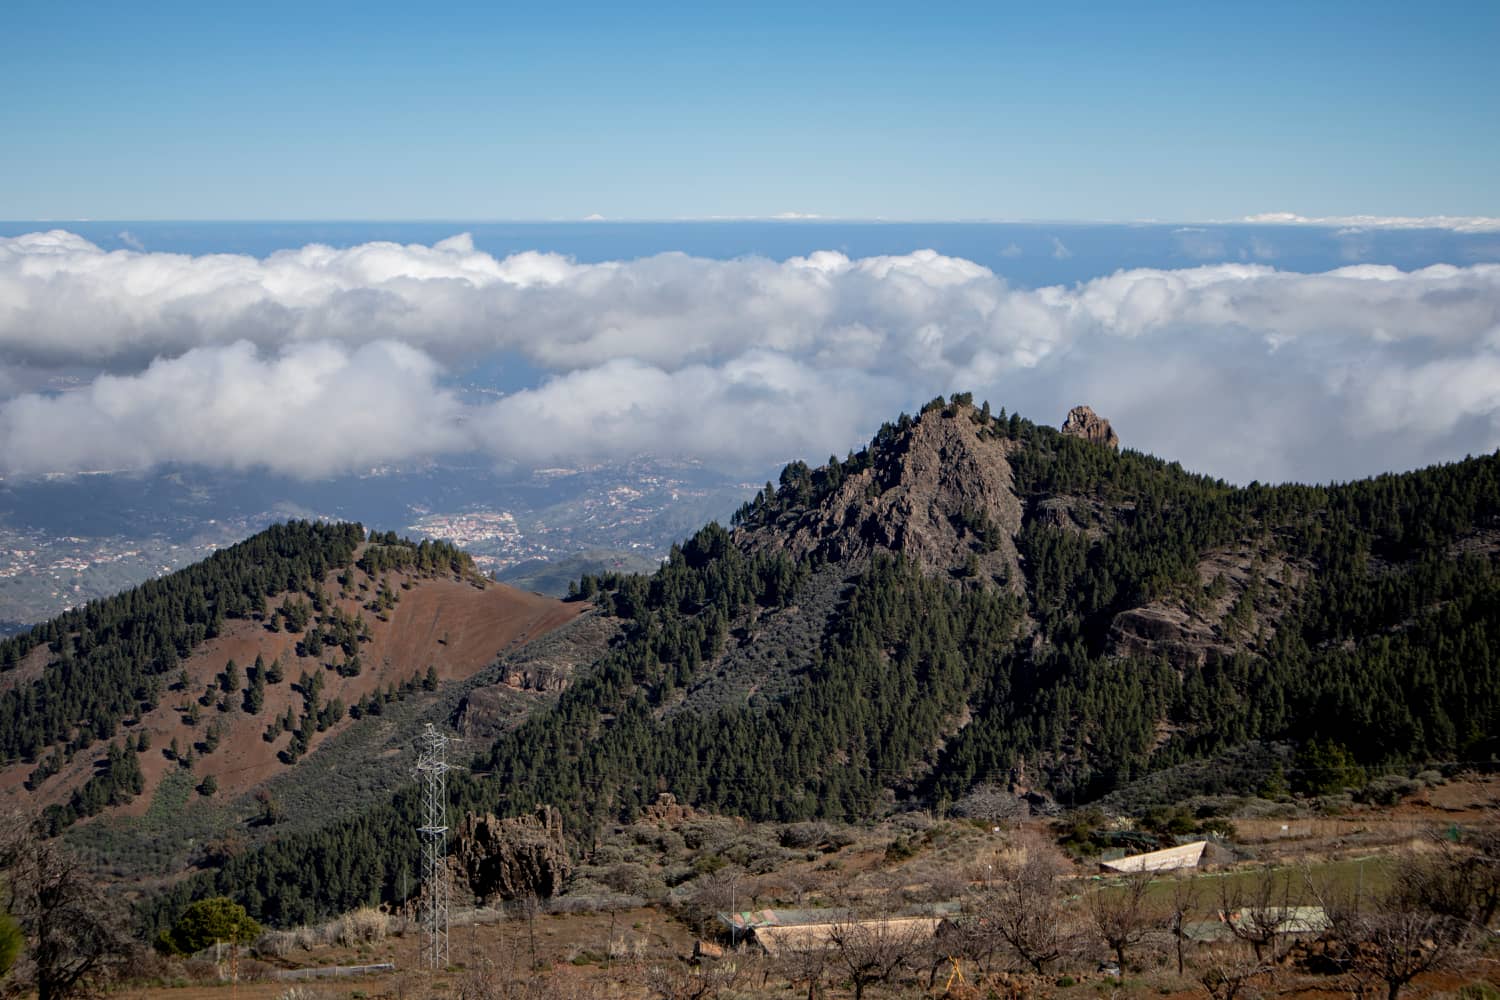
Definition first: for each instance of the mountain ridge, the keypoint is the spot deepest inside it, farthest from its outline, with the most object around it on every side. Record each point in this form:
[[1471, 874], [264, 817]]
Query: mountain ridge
[[976, 602]]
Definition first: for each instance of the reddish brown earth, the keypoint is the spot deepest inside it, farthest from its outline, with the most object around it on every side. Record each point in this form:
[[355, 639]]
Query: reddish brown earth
[[457, 626]]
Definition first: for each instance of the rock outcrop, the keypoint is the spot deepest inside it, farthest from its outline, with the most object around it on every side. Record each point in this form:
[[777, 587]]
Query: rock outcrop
[[941, 493], [1084, 423], [667, 812], [513, 858]]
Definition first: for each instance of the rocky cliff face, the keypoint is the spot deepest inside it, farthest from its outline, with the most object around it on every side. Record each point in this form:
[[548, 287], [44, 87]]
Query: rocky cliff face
[[513, 858], [943, 495], [941, 492], [538, 671], [1084, 423]]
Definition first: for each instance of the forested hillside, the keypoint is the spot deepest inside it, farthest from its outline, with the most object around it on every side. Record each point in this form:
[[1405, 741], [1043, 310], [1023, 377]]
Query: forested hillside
[[107, 659], [991, 602], [168, 707]]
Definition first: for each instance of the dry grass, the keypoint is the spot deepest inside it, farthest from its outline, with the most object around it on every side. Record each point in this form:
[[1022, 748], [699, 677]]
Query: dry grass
[[1372, 829], [365, 925]]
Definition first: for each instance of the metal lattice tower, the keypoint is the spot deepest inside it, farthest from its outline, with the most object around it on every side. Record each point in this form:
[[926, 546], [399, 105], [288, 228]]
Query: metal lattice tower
[[432, 770]]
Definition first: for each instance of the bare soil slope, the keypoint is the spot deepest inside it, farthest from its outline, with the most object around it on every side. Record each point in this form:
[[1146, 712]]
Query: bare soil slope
[[455, 626]]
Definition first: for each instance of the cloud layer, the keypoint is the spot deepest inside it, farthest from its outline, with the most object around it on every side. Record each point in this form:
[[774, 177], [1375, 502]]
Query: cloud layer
[[319, 360], [1455, 223]]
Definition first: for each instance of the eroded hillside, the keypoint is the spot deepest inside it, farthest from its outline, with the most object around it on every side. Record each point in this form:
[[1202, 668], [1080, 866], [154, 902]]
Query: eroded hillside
[[233, 732]]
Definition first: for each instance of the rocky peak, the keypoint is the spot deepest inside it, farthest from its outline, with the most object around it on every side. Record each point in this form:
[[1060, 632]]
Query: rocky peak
[[939, 491], [1084, 423]]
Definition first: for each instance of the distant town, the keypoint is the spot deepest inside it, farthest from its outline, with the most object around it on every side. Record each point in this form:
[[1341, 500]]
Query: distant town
[[640, 507]]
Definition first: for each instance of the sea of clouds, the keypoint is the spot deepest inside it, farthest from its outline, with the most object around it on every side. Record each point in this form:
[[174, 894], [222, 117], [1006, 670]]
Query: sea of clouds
[[320, 361]]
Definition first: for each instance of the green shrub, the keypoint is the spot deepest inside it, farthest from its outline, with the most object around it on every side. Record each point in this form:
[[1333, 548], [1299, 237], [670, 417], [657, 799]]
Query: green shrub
[[207, 921]]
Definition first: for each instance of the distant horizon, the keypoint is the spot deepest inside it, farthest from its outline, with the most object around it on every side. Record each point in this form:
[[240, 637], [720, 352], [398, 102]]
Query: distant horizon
[[1293, 220]]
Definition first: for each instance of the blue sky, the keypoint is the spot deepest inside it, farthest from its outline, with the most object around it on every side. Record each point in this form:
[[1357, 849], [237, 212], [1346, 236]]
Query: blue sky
[[1025, 111]]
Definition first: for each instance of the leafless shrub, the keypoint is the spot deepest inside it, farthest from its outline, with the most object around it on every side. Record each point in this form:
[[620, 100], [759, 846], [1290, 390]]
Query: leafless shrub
[[991, 804], [301, 993], [275, 944], [631, 878], [802, 836], [250, 970], [202, 970], [1230, 975]]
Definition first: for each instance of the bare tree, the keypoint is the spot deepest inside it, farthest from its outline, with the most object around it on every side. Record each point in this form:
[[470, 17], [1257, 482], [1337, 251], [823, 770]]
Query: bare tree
[[876, 951], [683, 981], [1021, 905], [74, 940], [805, 965], [1461, 881], [1402, 931], [1230, 976], [1399, 944], [528, 907], [1184, 903], [1118, 915], [973, 935], [718, 892], [1257, 913]]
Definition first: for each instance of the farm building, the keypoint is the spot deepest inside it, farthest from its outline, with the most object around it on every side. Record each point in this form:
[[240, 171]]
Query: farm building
[[740, 924], [1289, 920], [778, 932], [776, 941], [1166, 860]]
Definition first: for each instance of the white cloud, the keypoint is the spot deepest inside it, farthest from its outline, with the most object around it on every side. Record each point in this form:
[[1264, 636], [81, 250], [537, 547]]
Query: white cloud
[[1236, 369], [757, 409], [1457, 223], [314, 410]]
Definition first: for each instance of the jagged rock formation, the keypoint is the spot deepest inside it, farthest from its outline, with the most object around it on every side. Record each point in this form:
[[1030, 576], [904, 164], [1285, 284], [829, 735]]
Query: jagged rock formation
[[665, 811], [1084, 423], [513, 858], [547, 678], [942, 494]]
